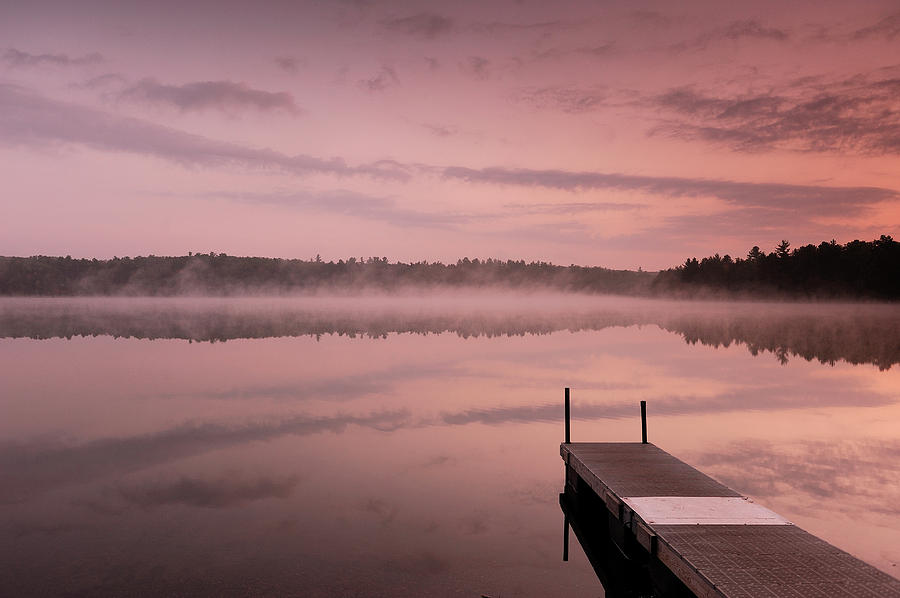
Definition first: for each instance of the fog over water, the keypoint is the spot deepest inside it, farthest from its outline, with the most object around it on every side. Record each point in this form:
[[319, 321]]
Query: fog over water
[[409, 444]]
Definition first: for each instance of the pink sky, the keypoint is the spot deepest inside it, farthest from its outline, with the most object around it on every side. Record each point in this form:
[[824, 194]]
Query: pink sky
[[620, 134]]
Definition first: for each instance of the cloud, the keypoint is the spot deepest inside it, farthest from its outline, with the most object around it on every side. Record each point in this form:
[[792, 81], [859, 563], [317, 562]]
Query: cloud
[[104, 81], [208, 493], [441, 130], [351, 203], [598, 51], [18, 58], [386, 77], [734, 31], [573, 100], [856, 115], [476, 66], [28, 469], [30, 119], [824, 200], [425, 25], [289, 64], [543, 27], [887, 28], [651, 18], [575, 207], [226, 96]]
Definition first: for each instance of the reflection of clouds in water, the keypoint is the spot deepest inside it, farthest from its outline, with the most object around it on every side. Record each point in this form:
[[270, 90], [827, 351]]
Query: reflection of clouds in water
[[210, 493], [864, 476], [834, 393], [346, 387], [420, 563], [32, 468], [28, 469], [384, 512], [475, 524]]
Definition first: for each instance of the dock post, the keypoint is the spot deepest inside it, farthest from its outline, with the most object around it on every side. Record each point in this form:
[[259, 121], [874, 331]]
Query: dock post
[[568, 414], [643, 422], [565, 538]]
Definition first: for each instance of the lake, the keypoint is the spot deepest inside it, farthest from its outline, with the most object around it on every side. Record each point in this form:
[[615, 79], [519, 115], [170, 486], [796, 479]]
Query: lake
[[409, 446]]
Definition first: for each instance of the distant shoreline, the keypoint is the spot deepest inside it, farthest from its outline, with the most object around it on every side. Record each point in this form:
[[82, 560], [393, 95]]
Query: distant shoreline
[[858, 270]]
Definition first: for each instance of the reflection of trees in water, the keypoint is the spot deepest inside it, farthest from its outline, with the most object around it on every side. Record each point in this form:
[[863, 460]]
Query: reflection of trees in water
[[854, 338], [854, 334]]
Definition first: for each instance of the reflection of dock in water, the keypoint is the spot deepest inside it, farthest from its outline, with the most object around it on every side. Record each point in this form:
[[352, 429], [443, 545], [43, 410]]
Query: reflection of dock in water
[[652, 525]]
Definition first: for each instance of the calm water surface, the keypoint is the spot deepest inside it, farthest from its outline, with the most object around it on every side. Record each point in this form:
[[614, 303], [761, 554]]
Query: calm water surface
[[409, 446]]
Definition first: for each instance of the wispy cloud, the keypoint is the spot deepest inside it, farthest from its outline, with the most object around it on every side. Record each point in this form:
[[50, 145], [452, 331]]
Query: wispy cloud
[[30, 119], [887, 28], [18, 58], [426, 25], [734, 31], [227, 96], [351, 203], [557, 52], [574, 207], [385, 77], [478, 67], [441, 130], [289, 64], [573, 100], [825, 200], [856, 115]]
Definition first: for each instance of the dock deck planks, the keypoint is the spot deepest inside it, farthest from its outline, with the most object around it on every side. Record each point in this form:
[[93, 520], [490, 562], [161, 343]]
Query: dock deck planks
[[748, 560]]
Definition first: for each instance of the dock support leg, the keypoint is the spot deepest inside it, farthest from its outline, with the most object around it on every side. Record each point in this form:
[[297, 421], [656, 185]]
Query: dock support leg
[[643, 422]]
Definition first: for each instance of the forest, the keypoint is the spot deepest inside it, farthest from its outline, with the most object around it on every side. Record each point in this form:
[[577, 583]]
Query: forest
[[221, 274], [829, 270], [857, 269]]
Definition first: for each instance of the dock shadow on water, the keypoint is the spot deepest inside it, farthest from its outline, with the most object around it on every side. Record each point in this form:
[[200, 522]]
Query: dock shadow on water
[[409, 445], [624, 571]]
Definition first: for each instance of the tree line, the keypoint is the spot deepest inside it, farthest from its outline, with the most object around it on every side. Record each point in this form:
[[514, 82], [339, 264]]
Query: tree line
[[858, 269], [221, 274]]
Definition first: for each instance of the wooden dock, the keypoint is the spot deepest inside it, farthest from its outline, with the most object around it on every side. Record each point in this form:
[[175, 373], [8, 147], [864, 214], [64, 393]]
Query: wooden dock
[[715, 541]]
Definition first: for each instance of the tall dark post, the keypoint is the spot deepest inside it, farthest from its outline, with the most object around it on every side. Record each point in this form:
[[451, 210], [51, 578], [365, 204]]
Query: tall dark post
[[568, 413], [644, 422]]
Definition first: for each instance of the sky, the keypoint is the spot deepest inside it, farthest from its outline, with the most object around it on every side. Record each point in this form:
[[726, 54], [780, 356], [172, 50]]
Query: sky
[[618, 134]]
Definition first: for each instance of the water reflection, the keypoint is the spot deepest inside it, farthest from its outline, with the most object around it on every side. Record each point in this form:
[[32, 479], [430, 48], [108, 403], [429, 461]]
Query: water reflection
[[419, 456], [854, 333]]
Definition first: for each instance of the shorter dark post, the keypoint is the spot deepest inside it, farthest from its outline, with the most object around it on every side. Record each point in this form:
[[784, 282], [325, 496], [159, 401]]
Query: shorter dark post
[[566, 538], [644, 422], [568, 425]]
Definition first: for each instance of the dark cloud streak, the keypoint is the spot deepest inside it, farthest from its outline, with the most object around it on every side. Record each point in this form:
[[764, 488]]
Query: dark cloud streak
[[830, 200], [425, 25], [18, 58], [227, 96]]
